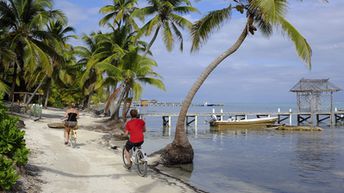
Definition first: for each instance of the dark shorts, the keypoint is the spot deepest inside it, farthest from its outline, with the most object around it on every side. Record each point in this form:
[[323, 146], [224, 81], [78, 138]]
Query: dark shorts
[[130, 145], [70, 124]]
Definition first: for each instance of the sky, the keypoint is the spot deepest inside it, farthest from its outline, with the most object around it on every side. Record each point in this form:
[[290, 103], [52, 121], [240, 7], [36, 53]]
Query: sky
[[262, 70]]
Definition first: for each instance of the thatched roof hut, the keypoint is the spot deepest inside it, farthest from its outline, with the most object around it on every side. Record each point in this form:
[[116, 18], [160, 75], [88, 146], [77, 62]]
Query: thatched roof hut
[[314, 95]]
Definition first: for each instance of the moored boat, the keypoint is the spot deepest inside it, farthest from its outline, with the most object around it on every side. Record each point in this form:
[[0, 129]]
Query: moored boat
[[257, 122]]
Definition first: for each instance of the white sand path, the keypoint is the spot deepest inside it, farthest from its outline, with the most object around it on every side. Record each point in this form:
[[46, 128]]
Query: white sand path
[[90, 167]]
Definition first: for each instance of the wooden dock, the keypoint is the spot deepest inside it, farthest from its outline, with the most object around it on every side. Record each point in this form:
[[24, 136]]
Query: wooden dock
[[283, 117]]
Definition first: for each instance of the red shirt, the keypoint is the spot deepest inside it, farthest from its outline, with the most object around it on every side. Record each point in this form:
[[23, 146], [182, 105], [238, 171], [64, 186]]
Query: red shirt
[[135, 129]]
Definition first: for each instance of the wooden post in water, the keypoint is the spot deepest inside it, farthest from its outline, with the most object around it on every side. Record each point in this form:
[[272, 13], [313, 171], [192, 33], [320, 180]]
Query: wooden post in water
[[221, 117], [290, 117]]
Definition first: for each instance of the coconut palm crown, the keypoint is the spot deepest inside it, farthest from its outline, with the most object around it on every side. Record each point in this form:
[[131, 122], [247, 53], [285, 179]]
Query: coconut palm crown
[[166, 15]]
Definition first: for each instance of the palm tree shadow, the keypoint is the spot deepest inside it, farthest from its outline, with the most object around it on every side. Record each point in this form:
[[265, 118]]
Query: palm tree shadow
[[114, 176], [147, 188]]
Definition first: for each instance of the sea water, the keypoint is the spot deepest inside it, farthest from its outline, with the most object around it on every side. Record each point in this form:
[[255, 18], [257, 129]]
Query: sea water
[[255, 161]]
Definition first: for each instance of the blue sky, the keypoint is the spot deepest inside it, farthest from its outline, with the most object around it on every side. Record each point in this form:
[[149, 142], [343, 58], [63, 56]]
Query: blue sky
[[262, 70]]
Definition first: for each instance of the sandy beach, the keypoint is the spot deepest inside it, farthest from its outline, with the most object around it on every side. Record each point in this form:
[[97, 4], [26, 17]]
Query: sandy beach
[[91, 166]]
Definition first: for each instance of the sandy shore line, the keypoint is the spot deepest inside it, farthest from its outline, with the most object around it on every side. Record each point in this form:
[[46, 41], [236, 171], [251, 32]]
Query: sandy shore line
[[91, 167]]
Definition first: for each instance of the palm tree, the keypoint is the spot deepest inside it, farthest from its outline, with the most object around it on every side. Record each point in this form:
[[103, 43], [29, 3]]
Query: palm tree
[[166, 16], [137, 70], [265, 14], [122, 12], [89, 55], [121, 66], [62, 34], [59, 42], [25, 21], [7, 57]]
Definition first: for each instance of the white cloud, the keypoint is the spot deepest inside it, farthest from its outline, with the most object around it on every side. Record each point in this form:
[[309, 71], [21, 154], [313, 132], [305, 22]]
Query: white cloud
[[262, 65]]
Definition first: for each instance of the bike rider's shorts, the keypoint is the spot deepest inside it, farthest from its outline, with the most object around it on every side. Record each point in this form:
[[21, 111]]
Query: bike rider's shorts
[[129, 145]]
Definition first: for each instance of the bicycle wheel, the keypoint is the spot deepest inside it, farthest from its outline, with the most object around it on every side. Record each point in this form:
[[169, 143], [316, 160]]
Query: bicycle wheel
[[141, 163], [72, 139], [125, 161]]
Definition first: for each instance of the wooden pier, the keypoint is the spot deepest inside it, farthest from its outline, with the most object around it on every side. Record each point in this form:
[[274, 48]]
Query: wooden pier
[[283, 117]]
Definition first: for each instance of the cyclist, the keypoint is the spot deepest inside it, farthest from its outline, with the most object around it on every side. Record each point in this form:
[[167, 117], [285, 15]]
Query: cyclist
[[135, 129], [71, 122]]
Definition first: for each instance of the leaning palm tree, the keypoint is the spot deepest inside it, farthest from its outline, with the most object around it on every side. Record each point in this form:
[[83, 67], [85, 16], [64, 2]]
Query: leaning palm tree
[[261, 14], [166, 16]]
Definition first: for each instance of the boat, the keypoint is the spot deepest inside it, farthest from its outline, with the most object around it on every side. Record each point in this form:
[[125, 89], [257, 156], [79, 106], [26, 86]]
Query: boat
[[206, 104], [244, 123]]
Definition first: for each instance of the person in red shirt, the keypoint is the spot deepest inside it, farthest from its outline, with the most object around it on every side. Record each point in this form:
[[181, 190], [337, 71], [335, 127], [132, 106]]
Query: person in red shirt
[[135, 128]]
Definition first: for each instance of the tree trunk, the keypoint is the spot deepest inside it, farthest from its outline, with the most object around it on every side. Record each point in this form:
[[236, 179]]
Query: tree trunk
[[34, 92], [47, 94], [14, 80], [125, 105], [111, 99], [118, 105], [180, 151], [152, 41], [86, 101], [47, 97]]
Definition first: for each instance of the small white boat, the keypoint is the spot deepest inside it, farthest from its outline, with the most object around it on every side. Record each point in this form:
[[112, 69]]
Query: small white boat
[[258, 122]]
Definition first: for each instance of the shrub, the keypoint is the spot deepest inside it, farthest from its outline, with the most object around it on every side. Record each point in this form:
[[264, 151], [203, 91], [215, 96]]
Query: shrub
[[8, 174], [13, 151]]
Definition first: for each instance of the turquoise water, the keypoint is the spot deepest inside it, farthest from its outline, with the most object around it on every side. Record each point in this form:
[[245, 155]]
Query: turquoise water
[[257, 161]]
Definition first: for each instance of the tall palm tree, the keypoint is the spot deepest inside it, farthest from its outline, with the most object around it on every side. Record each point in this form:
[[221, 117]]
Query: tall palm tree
[[137, 70], [122, 12], [121, 65], [25, 21], [265, 14], [166, 16], [62, 34], [89, 55], [59, 42], [7, 57]]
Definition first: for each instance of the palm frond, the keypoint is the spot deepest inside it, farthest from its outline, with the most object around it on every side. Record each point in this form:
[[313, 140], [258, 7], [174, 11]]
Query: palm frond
[[185, 9], [168, 36], [201, 29], [153, 82], [181, 21], [179, 35], [302, 47], [4, 88], [271, 10]]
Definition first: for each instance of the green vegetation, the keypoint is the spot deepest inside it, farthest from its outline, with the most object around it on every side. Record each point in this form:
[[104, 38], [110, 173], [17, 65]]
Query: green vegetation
[[13, 151], [36, 54]]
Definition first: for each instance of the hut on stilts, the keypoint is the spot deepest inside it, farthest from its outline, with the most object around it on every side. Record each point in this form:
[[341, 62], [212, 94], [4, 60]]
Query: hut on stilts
[[314, 100]]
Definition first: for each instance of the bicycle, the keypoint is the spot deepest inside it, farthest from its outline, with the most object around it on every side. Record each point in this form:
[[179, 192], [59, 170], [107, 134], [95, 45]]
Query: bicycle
[[72, 137], [137, 157]]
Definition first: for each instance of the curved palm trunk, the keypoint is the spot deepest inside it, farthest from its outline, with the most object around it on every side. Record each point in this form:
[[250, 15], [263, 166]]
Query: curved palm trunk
[[180, 150], [110, 99], [115, 116], [126, 104], [152, 41]]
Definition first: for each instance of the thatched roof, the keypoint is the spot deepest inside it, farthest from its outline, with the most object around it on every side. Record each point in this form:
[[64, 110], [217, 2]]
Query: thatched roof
[[315, 85]]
